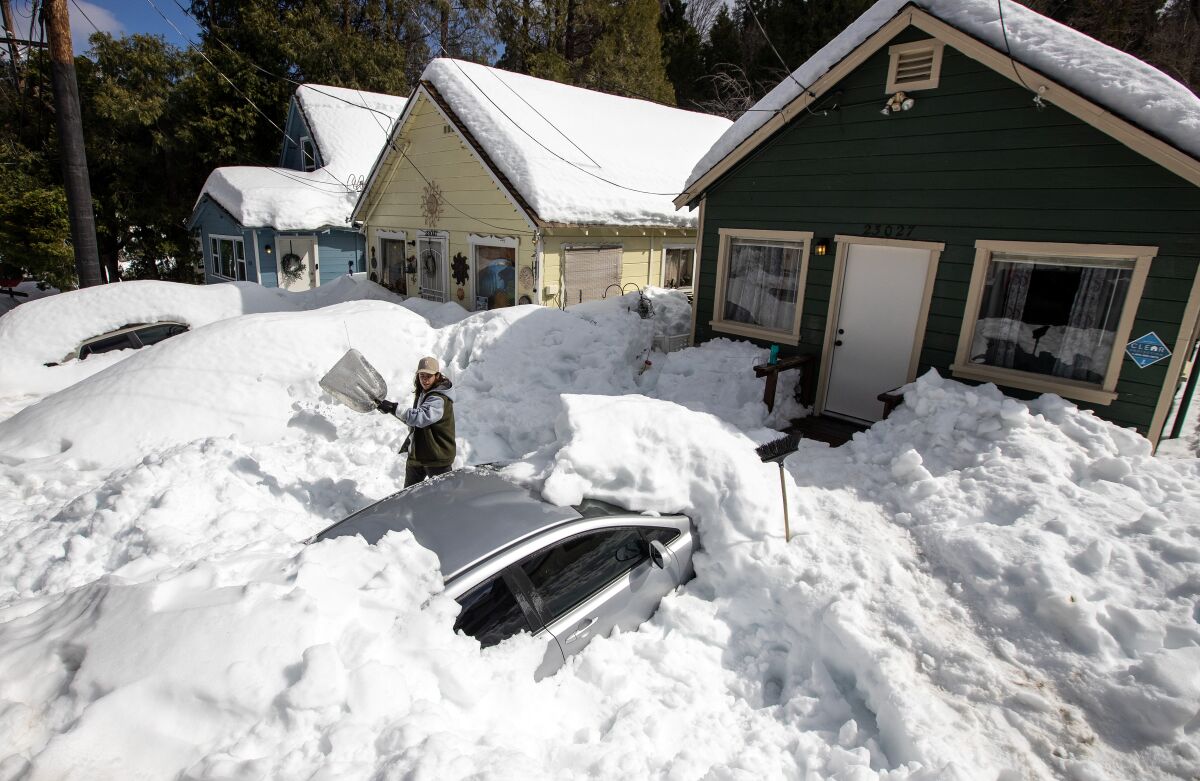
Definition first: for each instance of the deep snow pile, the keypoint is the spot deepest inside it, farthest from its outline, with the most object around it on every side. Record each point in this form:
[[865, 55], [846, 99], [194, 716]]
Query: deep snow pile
[[976, 588], [46, 330]]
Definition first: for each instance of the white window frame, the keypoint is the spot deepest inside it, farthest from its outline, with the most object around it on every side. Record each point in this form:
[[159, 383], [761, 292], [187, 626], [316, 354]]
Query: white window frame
[[214, 254], [662, 266], [308, 162], [1105, 392], [935, 72], [718, 323], [475, 240]]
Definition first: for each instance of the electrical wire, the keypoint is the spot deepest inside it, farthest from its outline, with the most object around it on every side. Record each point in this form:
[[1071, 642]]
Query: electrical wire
[[79, 8], [791, 74], [252, 104], [1037, 97], [460, 211]]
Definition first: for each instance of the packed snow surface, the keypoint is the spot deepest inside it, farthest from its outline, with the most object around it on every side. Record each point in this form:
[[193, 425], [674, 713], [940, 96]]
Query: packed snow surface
[[349, 128], [976, 588], [576, 155], [1113, 79]]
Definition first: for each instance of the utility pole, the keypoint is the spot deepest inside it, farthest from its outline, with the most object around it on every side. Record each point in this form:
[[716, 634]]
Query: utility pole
[[10, 33], [70, 141]]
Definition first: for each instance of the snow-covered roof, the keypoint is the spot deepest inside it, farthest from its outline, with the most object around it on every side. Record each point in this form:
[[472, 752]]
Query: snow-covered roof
[[349, 128], [1119, 82], [574, 155]]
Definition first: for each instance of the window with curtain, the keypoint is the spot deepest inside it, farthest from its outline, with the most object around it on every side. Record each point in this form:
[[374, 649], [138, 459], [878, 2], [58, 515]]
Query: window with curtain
[[677, 266], [1049, 315], [762, 282]]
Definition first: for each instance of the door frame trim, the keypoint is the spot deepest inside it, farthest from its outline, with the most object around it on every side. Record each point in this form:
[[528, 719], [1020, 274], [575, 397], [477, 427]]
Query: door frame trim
[[844, 243]]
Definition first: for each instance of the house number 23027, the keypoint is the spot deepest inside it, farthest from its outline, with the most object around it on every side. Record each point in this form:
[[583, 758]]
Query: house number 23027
[[888, 231]]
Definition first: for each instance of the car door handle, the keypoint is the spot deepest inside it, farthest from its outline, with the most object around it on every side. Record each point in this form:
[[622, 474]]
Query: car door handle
[[581, 630]]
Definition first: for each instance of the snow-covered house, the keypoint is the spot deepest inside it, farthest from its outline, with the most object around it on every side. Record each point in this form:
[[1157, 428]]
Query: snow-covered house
[[289, 226], [499, 188], [968, 186]]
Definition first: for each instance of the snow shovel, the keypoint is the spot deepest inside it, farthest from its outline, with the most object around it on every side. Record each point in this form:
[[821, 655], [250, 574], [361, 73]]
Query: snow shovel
[[355, 382]]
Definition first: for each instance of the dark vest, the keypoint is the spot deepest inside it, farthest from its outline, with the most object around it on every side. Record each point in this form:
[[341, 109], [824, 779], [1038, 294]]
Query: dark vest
[[434, 445]]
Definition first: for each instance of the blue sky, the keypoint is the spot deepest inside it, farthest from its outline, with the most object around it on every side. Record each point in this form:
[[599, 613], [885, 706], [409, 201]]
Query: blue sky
[[119, 17]]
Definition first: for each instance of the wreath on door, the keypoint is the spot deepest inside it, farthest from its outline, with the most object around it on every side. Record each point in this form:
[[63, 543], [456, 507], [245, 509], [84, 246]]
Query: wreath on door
[[292, 266], [429, 261]]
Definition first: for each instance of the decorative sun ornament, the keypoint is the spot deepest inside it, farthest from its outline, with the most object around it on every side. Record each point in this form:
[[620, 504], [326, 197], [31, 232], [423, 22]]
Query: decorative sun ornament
[[526, 277], [431, 203], [459, 268]]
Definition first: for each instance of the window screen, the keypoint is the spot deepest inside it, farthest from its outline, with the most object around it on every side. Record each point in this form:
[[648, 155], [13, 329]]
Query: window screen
[[490, 613], [588, 272]]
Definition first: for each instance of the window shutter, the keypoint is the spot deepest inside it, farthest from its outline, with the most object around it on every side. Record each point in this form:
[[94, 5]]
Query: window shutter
[[588, 273]]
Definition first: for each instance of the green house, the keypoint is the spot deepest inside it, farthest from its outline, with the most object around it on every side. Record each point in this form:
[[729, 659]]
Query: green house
[[969, 187]]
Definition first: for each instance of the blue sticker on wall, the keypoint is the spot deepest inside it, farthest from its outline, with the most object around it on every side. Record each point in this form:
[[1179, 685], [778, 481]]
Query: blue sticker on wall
[[1147, 349]]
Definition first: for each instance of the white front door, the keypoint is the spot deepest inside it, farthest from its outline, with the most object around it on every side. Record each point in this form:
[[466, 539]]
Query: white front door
[[298, 264], [883, 290]]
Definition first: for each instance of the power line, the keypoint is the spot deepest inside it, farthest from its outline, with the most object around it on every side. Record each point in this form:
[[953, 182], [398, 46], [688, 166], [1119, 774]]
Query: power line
[[247, 98], [1037, 96], [79, 8]]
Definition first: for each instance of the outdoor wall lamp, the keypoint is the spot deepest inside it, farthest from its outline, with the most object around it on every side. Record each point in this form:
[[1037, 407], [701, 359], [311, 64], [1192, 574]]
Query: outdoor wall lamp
[[267, 249], [897, 103], [821, 247]]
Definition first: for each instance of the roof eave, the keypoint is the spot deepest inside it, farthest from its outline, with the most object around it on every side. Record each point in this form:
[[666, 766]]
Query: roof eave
[[1138, 138]]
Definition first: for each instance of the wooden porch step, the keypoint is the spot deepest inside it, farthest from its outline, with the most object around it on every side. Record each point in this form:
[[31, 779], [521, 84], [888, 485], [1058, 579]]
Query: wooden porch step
[[835, 431]]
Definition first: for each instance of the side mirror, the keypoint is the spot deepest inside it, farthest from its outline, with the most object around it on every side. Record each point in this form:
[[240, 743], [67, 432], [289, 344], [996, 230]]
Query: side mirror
[[658, 554]]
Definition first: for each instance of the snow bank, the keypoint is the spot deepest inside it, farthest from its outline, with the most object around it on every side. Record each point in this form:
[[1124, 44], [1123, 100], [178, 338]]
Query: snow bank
[[46, 330], [975, 588]]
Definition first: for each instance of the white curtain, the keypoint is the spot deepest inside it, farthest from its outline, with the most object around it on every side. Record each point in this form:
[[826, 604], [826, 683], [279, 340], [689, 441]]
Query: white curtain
[[1087, 342], [1008, 295], [761, 286]]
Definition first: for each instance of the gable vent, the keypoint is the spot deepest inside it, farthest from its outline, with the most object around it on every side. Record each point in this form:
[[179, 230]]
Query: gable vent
[[914, 66]]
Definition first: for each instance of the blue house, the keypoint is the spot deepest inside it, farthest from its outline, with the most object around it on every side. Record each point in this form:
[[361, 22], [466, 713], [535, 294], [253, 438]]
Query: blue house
[[289, 226]]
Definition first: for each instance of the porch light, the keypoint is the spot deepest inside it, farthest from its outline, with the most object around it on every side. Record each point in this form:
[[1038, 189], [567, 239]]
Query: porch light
[[267, 249], [897, 103], [821, 247]]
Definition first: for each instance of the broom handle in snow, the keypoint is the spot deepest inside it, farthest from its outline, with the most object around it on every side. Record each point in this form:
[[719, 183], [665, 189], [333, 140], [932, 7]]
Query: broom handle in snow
[[787, 530]]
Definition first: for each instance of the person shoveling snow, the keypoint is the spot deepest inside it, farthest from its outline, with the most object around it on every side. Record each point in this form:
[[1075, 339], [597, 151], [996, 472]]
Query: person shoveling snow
[[430, 443]]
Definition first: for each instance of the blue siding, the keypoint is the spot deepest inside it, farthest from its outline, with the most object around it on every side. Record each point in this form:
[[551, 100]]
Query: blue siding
[[211, 220], [338, 249], [294, 130]]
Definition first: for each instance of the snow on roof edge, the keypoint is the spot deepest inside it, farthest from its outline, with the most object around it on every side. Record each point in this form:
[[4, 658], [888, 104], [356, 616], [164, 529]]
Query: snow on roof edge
[[970, 18]]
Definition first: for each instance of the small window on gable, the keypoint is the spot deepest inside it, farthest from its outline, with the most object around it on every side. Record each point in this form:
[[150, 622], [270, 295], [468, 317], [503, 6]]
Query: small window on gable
[[914, 66], [308, 154]]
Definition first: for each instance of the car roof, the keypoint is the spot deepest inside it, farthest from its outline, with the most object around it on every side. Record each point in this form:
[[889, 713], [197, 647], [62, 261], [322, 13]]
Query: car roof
[[463, 516]]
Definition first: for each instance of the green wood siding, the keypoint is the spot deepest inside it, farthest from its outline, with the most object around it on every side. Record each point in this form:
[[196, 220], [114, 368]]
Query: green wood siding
[[974, 159]]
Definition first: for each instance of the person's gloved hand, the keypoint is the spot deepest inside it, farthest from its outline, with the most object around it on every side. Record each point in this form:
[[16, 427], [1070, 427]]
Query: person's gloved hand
[[383, 405]]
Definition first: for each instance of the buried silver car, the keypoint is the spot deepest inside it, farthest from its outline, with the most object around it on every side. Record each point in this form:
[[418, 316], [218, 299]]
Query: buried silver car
[[516, 563]]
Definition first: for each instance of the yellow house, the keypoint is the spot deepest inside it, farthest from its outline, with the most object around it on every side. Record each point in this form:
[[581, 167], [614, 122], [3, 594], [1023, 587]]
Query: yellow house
[[497, 188]]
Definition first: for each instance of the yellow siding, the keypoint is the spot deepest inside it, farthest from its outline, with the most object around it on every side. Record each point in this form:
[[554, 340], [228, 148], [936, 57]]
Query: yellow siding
[[472, 202], [641, 253]]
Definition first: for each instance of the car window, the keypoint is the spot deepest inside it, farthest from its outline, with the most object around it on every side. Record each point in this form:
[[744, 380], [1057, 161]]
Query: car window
[[490, 613], [119, 342], [156, 333], [574, 569], [665, 536]]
